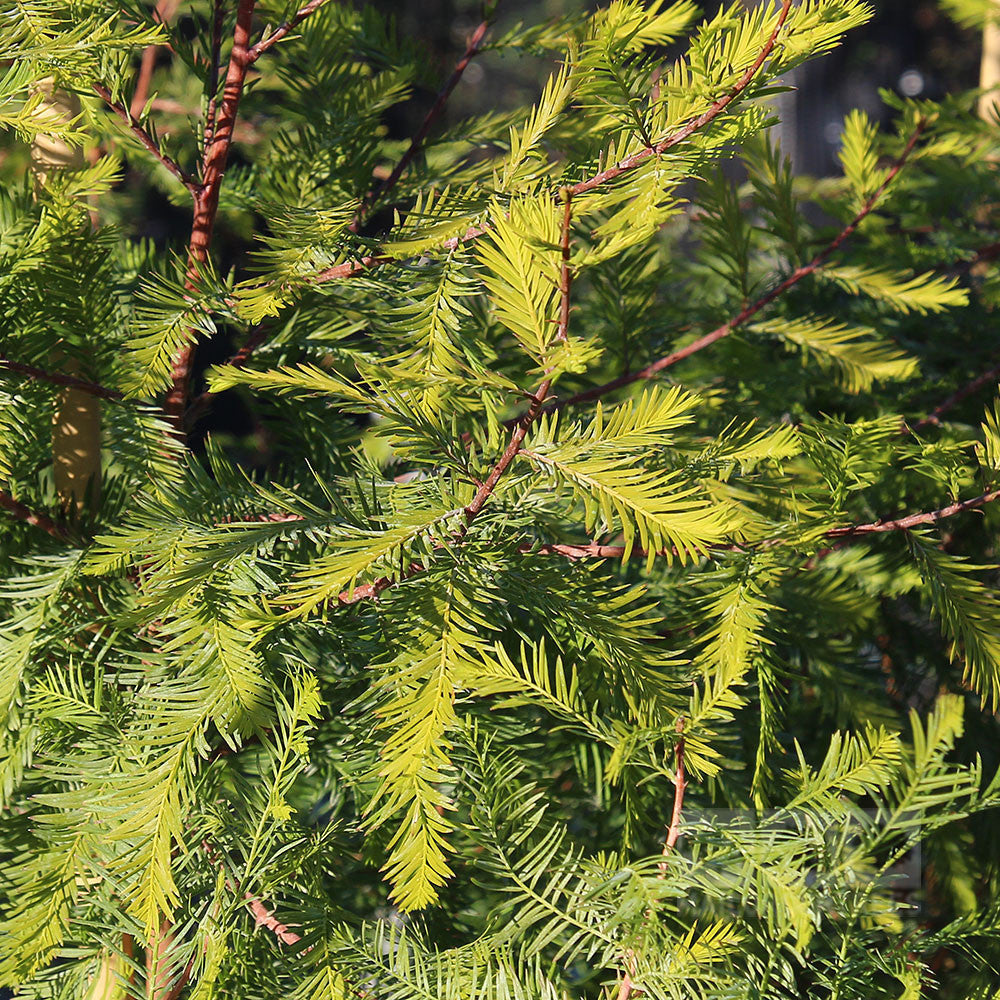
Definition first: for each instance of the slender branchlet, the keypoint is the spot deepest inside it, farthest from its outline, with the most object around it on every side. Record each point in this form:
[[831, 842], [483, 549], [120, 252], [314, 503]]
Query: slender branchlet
[[541, 393], [58, 378], [751, 310], [147, 141]]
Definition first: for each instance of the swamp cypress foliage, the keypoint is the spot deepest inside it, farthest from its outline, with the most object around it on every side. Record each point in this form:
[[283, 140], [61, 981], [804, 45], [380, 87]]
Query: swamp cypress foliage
[[603, 603]]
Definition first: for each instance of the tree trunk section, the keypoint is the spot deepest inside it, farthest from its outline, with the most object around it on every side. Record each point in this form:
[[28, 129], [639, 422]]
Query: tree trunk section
[[989, 67], [76, 423]]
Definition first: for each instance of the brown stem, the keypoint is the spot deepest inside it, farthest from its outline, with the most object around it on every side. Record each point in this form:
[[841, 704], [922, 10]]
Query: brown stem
[[351, 268], [263, 917], [36, 520], [844, 533], [71, 381], [628, 988], [524, 424], [144, 137], [751, 310], [915, 520], [206, 202], [680, 783], [633, 161], [158, 966], [213, 75], [472, 49], [934, 417], [594, 551], [265, 43]]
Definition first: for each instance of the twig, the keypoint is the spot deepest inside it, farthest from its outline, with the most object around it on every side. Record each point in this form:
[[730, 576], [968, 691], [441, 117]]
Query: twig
[[933, 419], [36, 520], [219, 11], [628, 988], [915, 520], [680, 783], [263, 917], [765, 300], [29, 371], [145, 138], [165, 10], [206, 202], [351, 268], [471, 51], [524, 424], [844, 533], [633, 161], [264, 44]]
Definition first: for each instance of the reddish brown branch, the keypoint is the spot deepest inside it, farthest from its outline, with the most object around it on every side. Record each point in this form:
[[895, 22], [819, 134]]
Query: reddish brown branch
[[206, 202], [751, 310], [263, 917], [471, 51], [36, 520], [970, 389], [627, 987], [524, 424], [144, 137], [633, 161], [915, 520], [219, 12], [280, 32], [843, 534], [39, 374], [846, 532], [680, 784]]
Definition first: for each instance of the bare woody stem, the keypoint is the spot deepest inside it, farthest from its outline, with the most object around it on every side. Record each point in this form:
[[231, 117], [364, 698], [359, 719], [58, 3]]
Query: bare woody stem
[[916, 520], [263, 917], [276, 36], [680, 784], [218, 15], [144, 137], [765, 300], [69, 381], [627, 988], [562, 331], [716, 109], [206, 201], [933, 419], [844, 534], [36, 520], [471, 51]]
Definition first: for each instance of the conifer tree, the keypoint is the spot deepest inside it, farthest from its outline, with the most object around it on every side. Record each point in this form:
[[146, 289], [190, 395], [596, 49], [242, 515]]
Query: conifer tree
[[612, 612]]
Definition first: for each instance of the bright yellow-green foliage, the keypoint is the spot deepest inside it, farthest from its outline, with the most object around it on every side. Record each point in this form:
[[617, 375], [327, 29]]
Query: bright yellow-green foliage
[[593, 593]]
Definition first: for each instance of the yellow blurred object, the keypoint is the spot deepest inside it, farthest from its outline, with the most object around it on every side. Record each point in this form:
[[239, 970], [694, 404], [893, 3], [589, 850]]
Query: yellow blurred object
[[76, 424]]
